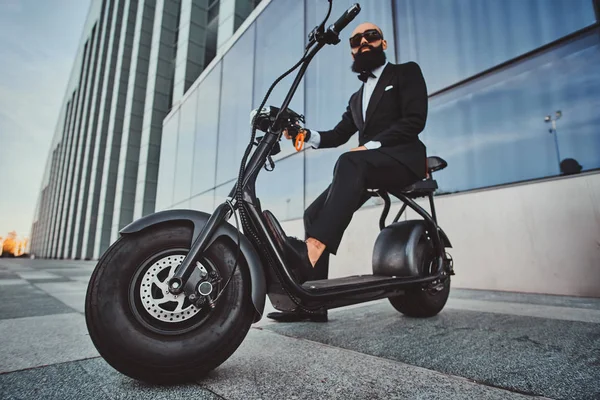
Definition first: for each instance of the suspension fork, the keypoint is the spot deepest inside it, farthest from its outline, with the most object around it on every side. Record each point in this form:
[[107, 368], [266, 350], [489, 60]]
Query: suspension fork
[[181, 282]]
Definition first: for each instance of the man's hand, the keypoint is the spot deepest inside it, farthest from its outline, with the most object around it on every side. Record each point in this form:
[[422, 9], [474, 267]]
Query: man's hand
[[359, 148]]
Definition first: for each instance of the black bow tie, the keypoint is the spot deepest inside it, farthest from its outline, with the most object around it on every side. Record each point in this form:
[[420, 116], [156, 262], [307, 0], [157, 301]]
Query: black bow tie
[[363, 76]]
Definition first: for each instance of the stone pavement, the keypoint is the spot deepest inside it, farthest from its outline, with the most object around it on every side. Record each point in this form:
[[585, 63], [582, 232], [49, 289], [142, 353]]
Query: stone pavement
[[484, 345]]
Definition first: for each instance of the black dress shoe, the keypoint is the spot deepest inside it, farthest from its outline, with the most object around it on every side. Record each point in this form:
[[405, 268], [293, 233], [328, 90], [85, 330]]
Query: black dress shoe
[[296, 258], [298, 316]]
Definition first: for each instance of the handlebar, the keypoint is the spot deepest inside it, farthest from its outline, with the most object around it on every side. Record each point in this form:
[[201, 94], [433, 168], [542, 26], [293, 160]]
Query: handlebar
[[331, 36], [345, 19]]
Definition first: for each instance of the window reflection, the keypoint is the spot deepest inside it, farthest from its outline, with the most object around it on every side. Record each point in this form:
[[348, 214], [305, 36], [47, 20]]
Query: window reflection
[[221, 192], [236, 104], [282, 191], [455, 39], [166, 171], [207, 123], [493, 131], [276, 53], [204, 202], [185, 148]]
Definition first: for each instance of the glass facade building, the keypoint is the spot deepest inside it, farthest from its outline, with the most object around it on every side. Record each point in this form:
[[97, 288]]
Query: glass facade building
[[494, 70], [136, 60], [168, 119]]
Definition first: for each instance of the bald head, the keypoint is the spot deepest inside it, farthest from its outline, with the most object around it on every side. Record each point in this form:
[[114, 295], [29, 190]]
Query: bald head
[[364, 43], [365, 26]]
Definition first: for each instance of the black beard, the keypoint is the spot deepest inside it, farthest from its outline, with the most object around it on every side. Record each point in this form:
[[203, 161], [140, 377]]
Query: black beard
[[368, 60]]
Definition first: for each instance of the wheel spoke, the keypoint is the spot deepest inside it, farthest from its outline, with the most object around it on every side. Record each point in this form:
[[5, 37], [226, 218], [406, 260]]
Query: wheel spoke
[[161, 285], [180, 301], [163, 300]]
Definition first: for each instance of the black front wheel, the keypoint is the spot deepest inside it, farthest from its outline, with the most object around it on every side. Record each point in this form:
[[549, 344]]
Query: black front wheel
[[149, 334]]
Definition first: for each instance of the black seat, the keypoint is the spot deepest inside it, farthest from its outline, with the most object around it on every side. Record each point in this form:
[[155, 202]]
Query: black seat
[[435, 164], [426, 186], [420, 189]]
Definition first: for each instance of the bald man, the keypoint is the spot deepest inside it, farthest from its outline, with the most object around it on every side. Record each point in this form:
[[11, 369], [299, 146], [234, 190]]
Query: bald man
[[388, 111]]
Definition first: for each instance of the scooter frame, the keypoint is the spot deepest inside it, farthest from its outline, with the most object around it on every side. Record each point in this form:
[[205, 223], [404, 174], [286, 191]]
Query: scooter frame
[[245, 202]]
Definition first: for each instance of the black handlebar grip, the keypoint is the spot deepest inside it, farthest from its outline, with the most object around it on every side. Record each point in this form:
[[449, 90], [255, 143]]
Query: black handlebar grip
[[346, 18]]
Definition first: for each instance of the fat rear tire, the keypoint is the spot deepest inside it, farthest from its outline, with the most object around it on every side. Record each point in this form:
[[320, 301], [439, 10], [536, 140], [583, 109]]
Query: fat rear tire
[[141, 351], [419, 303]]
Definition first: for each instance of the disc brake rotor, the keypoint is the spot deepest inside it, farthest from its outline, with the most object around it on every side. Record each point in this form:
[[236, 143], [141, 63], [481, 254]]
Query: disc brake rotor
[[155, 296]]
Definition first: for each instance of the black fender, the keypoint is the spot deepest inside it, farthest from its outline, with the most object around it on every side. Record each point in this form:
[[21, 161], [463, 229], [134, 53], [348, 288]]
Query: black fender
[[199, 219], [444, 238]]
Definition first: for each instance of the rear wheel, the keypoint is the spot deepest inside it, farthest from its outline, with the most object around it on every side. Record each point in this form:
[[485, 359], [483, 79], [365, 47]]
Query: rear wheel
[[147, 333], [419, 302]]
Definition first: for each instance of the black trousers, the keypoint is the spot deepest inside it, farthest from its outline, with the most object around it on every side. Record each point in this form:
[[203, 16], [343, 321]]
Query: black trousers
[[329, 215]]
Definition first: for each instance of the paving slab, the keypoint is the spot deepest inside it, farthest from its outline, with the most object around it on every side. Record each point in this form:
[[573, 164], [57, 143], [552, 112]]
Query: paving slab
[[87, 380], [554, 358], [10, 282], [62, 381], [270, 366], [8, 274], [62, 287], [527, 310], [25, 300], [527, 298], [36, 275], [38, 341], [117, 385]]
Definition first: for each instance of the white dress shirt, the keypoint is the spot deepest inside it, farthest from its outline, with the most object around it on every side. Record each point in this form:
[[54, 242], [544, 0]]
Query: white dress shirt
[[368, 88]]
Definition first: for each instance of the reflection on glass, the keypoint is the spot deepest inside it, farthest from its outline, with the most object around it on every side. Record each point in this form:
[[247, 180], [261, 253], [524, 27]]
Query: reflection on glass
[[236, 105], [166, 170], [282, 191], [277, 52], [455, 39], [207, 120], [185, 149], [330, 82], [221, 192], [204, 202], [493, 131]]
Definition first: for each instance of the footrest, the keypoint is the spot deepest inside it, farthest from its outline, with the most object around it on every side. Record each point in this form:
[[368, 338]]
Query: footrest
[[346, 282]]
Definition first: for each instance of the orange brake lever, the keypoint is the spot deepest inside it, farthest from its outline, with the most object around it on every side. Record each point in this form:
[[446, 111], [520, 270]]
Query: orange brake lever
[[299, 143]]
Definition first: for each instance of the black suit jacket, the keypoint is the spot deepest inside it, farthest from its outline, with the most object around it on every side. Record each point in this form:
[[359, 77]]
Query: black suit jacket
[[394, 117]]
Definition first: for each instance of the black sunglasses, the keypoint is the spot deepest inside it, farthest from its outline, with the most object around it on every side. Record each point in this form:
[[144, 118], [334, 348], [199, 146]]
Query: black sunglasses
[[371, 35]]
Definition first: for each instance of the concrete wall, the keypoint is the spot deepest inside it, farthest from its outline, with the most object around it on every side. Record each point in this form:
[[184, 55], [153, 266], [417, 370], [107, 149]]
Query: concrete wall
[[541, 237]]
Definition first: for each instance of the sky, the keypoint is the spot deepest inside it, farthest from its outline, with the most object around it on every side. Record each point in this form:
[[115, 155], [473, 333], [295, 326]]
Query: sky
[[38, 44]]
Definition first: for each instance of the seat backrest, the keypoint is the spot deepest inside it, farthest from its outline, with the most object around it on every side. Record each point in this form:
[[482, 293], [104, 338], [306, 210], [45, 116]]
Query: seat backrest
[[435, 163]]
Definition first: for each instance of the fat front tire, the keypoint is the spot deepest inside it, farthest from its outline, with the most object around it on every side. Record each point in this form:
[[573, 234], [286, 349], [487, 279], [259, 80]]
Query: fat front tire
[[420, 303], [148, 334]]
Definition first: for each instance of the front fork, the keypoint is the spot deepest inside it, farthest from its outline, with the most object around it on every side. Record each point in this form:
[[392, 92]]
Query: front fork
[[183, 279]]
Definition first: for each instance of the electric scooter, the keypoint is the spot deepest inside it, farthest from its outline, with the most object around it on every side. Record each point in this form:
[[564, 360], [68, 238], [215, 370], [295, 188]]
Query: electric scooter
[[176, 294]]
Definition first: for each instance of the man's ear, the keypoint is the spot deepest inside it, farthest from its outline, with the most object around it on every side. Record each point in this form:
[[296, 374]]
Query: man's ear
[[384, 44]]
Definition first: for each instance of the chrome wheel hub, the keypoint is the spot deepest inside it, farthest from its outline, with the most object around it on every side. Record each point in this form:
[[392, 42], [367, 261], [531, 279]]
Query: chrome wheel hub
[[155, 296]]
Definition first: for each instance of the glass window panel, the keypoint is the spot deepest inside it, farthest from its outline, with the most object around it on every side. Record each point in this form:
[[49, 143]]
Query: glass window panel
[[166, 170], [280, 43], [185, 149], [281, 191], [221, 192], [207, 124], [236, 104], [492, 131], [204, 202], [330, 83], [454, 39]]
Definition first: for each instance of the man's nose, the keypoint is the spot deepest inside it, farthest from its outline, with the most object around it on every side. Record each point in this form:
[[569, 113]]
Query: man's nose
[[363, 41]]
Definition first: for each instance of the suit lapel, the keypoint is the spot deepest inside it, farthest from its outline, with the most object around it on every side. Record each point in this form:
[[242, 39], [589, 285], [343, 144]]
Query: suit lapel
[[357, 109], [386, 77]]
